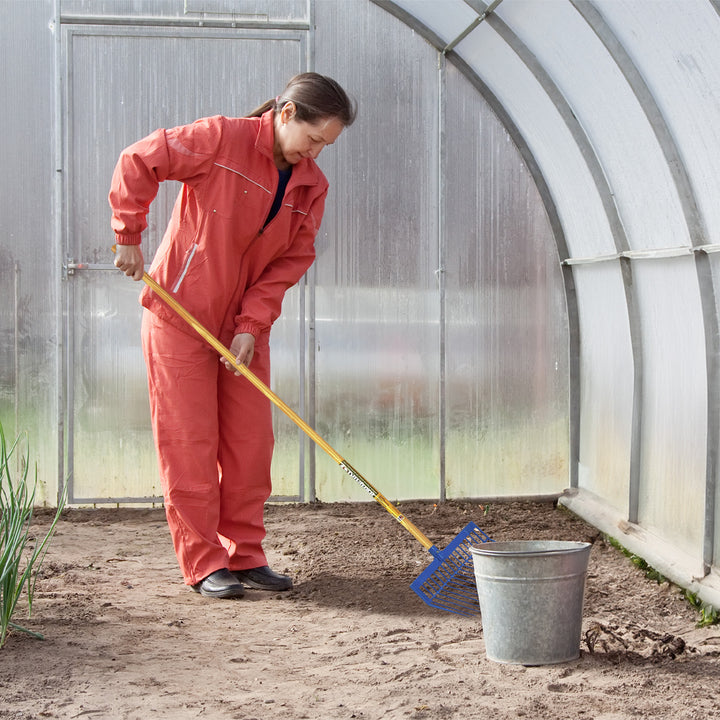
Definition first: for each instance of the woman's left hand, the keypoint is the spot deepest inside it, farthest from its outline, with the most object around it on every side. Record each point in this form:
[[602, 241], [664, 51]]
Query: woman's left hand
[[243, 348]]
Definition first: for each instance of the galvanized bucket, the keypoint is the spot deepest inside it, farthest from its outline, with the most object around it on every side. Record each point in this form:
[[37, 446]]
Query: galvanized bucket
[[531, 599]]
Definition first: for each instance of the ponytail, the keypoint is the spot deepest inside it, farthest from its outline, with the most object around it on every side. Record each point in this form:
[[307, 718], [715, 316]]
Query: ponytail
[[262, 109], [316, 97]]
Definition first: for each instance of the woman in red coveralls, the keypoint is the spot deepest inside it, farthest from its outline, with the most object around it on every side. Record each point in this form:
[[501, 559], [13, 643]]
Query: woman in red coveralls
[[242, 232]]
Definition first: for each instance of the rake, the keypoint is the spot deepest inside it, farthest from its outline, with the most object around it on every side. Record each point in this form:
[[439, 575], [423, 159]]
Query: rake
[[448, 583]]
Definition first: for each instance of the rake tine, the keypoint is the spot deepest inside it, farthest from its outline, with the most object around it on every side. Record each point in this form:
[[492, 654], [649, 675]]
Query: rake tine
[[448, 583]]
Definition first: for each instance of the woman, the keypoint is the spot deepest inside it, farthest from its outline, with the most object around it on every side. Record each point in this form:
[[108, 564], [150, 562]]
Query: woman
[[242, 232]]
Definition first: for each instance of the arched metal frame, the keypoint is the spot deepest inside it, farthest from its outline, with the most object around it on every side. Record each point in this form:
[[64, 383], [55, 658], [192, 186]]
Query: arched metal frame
[[456, 51]]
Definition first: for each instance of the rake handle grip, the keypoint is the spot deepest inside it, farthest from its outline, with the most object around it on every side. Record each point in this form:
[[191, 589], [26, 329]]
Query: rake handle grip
[[265, 390]]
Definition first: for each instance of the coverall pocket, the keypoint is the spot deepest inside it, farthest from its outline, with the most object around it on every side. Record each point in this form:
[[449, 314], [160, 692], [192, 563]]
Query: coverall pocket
[[189, 255]]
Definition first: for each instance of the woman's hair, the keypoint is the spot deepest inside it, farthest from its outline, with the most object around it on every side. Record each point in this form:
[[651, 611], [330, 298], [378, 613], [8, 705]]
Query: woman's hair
[[316, 97]]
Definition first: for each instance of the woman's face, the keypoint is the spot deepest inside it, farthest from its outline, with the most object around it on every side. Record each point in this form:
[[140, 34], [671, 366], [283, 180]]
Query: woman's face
[[297, 139]]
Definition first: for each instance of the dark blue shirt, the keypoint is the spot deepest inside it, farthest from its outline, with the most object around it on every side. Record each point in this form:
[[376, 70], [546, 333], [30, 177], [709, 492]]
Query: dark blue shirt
[[284, 177]]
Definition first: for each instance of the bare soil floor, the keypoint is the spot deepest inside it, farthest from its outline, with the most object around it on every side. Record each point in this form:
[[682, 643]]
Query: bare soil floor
[[124, 638]]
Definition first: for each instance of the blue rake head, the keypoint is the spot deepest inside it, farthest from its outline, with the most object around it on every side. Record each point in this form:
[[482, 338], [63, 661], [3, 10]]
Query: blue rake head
[[448, 582]]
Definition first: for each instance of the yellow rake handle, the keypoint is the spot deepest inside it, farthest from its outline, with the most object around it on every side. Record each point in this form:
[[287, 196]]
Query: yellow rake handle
[[265, 390]]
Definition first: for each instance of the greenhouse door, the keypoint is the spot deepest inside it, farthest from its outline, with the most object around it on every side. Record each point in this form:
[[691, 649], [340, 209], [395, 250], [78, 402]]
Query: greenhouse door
[[121, 82]]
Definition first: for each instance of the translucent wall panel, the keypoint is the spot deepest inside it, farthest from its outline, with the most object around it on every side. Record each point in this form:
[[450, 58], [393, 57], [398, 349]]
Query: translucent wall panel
[[376, 333], [112, 453], [547, 127], [192, 10], [674, 419], [606, 383], [507, 334], [29, 264], [446, 18], [679, 62], [621, 135], [289, 380]]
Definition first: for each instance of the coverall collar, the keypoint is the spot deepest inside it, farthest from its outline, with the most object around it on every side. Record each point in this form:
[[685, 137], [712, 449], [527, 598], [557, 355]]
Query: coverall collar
[[303, 173]]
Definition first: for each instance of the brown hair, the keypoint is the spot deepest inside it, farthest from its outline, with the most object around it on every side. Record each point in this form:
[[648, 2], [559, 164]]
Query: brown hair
[[315, 97]]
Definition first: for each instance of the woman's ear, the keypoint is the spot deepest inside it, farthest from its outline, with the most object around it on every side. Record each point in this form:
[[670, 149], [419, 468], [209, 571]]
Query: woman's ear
[[288, 112]]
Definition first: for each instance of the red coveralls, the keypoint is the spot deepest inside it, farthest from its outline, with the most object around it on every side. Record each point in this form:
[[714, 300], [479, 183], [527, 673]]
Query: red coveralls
[[212, 429]]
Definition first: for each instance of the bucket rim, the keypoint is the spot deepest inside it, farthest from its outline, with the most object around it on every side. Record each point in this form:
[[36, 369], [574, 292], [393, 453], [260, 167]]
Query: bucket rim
[[530, 548]]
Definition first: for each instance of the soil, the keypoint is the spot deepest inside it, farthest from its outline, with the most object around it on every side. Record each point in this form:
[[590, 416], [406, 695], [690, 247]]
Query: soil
[[124, 638]]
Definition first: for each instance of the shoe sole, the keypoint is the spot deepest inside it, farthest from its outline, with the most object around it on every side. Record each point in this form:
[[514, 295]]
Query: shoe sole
[[227, 593], [259, 586]]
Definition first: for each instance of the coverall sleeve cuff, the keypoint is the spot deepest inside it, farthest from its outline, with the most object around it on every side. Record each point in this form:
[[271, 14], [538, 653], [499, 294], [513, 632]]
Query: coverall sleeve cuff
[[133, 239], [250, 326]]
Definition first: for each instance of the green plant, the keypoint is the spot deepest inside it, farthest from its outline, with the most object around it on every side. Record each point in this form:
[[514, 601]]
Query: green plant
[[708, 614], [20, 560], [650, 572]]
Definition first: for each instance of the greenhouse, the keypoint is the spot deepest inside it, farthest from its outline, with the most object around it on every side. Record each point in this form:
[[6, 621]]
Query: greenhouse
[[516, 290]]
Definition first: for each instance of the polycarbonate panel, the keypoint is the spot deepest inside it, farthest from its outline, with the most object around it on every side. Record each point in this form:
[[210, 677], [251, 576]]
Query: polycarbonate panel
[[679, 62], [288, 379], [248, 9], [446, 18], [112, 452], [507, 333], [606, 383], [619, 131], [29, 263], [377, 311], [564, 167], [208, 10], [176, 77], [674, 413]]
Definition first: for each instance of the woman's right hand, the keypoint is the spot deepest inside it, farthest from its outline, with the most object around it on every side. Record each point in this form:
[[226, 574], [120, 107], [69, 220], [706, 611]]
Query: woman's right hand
[[243, 348], [129, 259]]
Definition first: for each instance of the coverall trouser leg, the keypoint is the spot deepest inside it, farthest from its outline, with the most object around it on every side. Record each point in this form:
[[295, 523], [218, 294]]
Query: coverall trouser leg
[[214, 441]]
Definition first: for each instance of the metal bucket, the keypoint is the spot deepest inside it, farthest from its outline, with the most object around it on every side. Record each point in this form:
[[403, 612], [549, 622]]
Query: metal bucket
[[531, 599]]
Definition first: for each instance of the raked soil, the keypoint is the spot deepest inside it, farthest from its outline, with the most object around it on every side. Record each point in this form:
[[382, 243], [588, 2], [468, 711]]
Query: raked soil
[[125, 639]]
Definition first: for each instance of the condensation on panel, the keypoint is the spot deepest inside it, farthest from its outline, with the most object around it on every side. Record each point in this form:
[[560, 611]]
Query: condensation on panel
[[288, 381], [112, 446], [10, 329], [507, 329], [674, 412], [29, 264], [377, 311]]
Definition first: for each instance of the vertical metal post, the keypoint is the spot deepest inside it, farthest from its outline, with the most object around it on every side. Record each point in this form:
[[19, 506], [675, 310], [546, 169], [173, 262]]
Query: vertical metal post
[[636, 445], [442, 73], [16, 349], [712, 351], [60, 324], [307, 315], [302, 374]]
